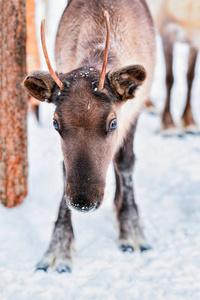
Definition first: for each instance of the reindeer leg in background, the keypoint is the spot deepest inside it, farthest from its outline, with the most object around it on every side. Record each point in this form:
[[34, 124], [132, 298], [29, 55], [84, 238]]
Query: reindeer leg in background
[[187, 119], [59, 255], [167, 126], [131, 236], [36, 112], [150, 108]]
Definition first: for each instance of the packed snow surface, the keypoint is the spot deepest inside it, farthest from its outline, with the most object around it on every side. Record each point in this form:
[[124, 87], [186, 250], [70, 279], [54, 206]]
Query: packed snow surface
[[167, 190]]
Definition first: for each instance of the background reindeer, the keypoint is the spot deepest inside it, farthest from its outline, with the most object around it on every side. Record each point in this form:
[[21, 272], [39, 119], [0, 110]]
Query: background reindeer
[[178, 21], [96, 122]]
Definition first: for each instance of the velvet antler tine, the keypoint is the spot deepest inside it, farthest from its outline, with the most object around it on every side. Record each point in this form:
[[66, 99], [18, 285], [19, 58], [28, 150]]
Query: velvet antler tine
[[103, 72], [44, 48]]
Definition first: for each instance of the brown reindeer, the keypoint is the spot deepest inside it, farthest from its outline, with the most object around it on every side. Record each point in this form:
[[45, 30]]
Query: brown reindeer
[[96, 118], [178, 21]]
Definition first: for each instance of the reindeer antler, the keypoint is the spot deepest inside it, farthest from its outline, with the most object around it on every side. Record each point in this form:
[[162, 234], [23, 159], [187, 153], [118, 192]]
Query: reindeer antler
[[44, 48], [103, 72]]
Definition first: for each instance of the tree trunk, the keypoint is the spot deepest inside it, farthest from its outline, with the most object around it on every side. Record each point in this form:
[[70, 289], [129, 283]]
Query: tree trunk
[[13, 103]]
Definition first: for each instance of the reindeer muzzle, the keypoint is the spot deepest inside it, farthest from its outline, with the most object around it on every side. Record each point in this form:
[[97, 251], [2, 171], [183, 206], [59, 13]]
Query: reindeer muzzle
[[84, 197]]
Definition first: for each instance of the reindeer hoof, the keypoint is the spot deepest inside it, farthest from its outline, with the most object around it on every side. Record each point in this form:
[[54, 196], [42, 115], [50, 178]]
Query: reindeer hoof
[[150, 108], [145, 248], [192, 129], [189, 126], [170, 132], [61, 268], [131, 246], [126, 248], [42, 266], [130, 249], [60, 265]]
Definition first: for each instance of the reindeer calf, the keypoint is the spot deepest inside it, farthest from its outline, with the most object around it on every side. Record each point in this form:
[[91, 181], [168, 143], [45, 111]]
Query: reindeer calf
[[96, 118]]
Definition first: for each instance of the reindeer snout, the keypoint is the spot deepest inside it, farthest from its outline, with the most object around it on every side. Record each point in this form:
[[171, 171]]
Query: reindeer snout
[[84, 198], [82, 203]]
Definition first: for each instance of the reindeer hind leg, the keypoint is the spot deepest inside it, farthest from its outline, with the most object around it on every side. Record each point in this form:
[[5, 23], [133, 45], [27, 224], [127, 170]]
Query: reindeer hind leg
[[168, 127], [187, 120]]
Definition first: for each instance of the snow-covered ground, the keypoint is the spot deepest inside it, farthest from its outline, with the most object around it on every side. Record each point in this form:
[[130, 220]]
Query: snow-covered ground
[[167, 188]]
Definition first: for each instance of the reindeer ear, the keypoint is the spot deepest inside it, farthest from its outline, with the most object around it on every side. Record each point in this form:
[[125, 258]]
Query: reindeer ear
[[125, 81], [39, 84]]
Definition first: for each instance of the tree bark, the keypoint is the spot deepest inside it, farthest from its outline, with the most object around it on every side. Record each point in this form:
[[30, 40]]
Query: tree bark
[[13, 103]]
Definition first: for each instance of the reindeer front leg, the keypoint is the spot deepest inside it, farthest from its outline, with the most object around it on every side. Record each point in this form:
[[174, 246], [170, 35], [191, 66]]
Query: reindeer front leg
[[131, 236], [58, 255]]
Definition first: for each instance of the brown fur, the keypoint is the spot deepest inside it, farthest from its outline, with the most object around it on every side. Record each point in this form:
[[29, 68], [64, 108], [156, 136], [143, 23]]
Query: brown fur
[[85, 114]]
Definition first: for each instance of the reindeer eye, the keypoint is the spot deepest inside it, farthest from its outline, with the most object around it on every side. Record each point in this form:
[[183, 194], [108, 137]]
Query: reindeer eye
[[113, 125], [55, 124]]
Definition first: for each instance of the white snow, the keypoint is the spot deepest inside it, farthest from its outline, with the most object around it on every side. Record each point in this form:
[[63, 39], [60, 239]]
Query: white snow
[[167, 190]]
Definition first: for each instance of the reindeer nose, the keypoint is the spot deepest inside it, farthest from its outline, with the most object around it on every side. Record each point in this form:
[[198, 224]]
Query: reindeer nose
[[82, 203], [84, 198]]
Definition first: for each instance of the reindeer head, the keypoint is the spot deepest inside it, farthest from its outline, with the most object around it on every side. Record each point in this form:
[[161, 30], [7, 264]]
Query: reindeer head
[[86, 117]]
